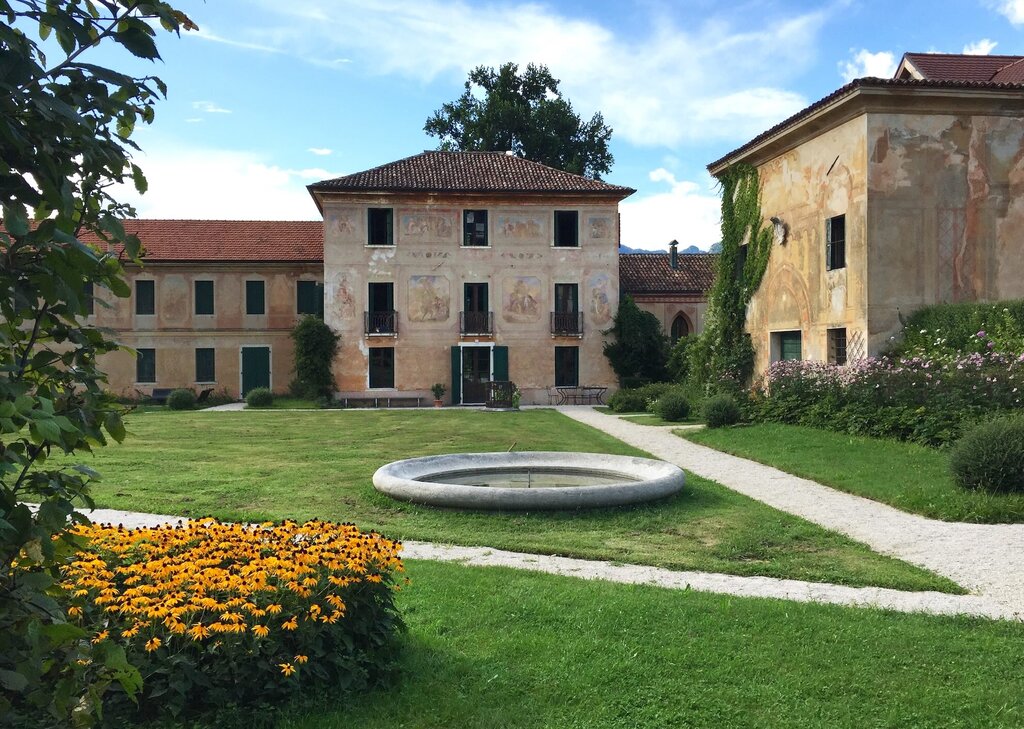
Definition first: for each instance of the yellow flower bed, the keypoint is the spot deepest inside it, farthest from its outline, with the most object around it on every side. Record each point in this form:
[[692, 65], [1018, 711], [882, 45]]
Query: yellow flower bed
[[285, 602]]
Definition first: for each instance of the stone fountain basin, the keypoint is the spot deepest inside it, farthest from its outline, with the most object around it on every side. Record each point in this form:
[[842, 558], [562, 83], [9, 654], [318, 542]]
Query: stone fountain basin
[[528, 480]]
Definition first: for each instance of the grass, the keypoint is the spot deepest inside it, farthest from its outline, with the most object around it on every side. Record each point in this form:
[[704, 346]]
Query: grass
[[658, 420], [908, 476], [257, 465], [490, 647]]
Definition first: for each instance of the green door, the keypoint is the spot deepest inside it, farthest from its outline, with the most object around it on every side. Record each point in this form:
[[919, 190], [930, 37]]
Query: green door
[[255, 368], [789, 345]]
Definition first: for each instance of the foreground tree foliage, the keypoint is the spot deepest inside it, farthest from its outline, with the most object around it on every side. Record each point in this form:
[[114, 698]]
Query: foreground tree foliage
[[639, 351], [316, 344], [65, 128], [525, 114]]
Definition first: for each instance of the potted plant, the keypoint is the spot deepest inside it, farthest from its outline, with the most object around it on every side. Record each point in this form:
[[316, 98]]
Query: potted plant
[[438, 389]]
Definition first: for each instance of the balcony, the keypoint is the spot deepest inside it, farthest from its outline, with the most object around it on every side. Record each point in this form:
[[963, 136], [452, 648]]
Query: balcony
[[380, 323], [566, 324], [476, 322]]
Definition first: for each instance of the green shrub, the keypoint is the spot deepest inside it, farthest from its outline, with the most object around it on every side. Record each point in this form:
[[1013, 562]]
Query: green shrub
[[964, 327], [673, 407], [638, 399], [181, 400], [259, 397], [990, 456], [721, 410], [316, 345]]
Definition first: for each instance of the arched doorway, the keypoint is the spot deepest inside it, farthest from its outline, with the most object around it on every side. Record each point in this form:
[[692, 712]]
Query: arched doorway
[[680, 327]]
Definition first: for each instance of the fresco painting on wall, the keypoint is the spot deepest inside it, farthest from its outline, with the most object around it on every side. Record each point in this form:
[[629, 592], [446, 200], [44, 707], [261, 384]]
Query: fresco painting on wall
[[344, 302], [344, 224], [520, 227], [429, 298], [599, 290], [428, 226], [521, 299], [599, 227]]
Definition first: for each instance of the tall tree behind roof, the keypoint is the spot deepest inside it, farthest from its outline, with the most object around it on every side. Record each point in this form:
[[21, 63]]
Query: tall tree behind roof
[[526, 114]]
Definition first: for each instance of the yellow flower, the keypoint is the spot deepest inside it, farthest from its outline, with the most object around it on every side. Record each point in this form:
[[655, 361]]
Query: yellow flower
[[301, 659], [273, 609], [152, 644], [75, 611], [292, 624], [199, 631], [261, 631], [287, 669], [101, 636]]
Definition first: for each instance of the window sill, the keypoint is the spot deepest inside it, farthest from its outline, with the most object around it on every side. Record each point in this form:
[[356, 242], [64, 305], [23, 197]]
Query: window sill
[[486, 247], [379, 245], [568, 248]]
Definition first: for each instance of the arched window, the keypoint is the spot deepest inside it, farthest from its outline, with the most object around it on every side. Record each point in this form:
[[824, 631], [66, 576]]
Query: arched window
[[680, 328]]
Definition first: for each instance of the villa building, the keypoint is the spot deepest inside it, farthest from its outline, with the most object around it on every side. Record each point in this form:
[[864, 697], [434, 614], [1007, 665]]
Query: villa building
[[673, 287], [891, 194], [461, 268]]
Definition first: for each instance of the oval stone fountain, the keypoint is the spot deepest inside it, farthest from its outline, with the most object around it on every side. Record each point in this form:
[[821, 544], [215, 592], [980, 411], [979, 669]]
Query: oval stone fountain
[[528, 480]]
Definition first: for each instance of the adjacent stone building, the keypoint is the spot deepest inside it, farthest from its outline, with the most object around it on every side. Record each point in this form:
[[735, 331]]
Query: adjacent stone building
[[891, 194], [462, 268], [673, 287]]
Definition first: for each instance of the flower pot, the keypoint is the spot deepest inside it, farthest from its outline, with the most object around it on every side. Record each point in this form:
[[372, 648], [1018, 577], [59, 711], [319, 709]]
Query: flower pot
[[438, 403]]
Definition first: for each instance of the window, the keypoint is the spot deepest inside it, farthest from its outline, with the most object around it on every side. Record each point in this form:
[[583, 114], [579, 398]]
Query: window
[[382, 367], [476, 315], [567, 366], [680, 328], [145, 365], [835, 243], [255, 298], [837, 346], [205, 365], [204, 298], [786, 345], [567, 228], [474, 227], [380, 314], [89, 298], [145, 297], [566, 318], [309, 298], [380, 227]]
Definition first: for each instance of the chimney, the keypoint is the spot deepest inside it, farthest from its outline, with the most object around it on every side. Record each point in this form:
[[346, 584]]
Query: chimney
[[673, 255]]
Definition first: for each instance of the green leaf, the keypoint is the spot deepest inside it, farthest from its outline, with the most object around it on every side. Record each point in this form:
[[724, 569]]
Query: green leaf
[[13, 681], [24, 404], [16, 220], [137, 38], [115, 426], [62, 633], [45, 430], [141, 184]]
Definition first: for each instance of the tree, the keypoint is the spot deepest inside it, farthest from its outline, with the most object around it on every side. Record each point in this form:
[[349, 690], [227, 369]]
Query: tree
[[315, 347], [65, 129], [525, 114], [640, 350]]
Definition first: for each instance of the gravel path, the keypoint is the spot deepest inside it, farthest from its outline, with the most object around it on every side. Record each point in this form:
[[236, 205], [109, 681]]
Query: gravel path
[[987, 559], [936, 603]]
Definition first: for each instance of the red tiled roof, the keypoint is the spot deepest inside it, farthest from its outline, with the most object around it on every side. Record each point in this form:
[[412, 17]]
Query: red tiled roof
[[961, 67], [909, 85], [291, 241], [467, 172], [650, 273]]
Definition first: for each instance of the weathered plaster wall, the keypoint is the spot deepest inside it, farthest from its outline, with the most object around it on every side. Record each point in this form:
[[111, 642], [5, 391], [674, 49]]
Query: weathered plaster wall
[[428, 267], [819, 179], [175, 331], [945, 214], [666, 308]]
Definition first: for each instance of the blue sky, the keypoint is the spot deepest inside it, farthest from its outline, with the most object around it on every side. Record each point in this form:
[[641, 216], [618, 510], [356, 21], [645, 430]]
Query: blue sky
[[269, 96]]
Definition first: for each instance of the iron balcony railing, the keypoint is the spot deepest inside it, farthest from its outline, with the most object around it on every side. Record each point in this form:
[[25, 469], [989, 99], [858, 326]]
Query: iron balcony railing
[[476, 322], [381, 322], [566, 324]]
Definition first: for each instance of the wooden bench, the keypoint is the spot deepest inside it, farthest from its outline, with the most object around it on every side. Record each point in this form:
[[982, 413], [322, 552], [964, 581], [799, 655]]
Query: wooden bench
[[160, 394]]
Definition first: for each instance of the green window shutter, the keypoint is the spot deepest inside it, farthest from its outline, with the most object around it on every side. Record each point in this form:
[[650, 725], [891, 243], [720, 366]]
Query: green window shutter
[[309, 298], [204, 297], [255, 302], [205, 366], [456, 375], [791, 345], [145, 297], [391, 227], [500, 364], [828, 244], [319, 292]]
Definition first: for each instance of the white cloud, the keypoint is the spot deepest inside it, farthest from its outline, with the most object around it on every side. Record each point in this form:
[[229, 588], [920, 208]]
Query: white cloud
[[672, 85], [209, 107], [194, 182], [687, 212], [320, 151], [865, 63], [980, 48], [194, 120], [1013, 10]]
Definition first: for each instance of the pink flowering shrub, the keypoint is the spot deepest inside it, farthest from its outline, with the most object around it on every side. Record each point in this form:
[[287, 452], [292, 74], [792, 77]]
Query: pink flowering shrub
[[921, 398]]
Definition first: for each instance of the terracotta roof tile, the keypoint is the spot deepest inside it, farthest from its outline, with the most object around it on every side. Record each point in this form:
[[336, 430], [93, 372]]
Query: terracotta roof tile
[[467, 172], [650, 273], [960, 67], [292, 241], [864, 83]]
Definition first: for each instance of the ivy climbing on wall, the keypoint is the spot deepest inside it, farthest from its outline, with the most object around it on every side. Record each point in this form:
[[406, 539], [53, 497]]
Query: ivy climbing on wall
[[723, 357]]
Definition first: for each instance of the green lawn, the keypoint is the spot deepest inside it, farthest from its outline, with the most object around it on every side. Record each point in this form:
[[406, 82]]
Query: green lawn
[[255, 465], [908, 476], [491, 647], [657, 420]]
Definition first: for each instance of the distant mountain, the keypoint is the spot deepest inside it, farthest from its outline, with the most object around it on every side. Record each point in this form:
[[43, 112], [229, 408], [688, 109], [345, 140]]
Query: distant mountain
[[717, 247], [627, 249]]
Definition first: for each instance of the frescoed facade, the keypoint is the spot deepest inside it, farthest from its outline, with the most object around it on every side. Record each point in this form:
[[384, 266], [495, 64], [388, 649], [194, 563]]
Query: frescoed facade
[[894, 194]]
